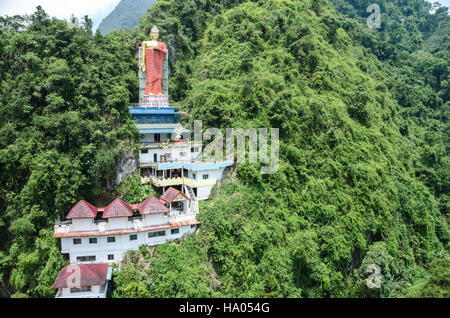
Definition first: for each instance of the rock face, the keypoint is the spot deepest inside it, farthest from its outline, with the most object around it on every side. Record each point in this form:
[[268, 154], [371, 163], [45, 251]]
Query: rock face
[[126, 14], [125, 167]]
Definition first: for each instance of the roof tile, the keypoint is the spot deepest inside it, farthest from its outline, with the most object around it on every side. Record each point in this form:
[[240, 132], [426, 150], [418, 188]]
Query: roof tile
[[171, 194], [152, 205], [82, 209], [81, 275], [117, 208]]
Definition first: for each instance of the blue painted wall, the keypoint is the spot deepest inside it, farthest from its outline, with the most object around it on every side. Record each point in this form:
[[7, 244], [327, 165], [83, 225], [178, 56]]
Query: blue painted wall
[[156, 118]]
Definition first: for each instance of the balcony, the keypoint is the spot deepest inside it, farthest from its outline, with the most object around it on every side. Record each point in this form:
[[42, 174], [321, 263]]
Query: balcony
[[182, 217], [169, 144], [160, 182], [133, 224]]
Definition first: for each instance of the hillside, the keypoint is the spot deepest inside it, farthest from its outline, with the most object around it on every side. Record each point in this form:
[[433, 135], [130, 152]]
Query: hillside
[[64, 124], [125, 15], [364, 146], [364, 166]]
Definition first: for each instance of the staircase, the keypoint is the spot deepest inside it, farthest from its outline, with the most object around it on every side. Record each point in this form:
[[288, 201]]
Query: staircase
[[194, 202], [191, 193]]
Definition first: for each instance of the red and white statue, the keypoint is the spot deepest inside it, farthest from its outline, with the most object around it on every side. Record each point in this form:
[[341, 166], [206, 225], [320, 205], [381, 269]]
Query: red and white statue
[[153, 55]]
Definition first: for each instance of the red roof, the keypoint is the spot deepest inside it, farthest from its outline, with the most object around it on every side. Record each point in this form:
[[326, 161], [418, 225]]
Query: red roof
[[171, 194], [81, 276], [117, 208], [152, 205], [82, 209]]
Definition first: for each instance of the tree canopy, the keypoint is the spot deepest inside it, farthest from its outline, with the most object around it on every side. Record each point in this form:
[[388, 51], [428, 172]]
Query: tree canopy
[[364, 165], [364, 141]]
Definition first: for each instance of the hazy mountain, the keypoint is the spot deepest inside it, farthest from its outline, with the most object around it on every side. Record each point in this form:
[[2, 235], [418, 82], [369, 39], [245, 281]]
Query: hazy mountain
[[126, 14]]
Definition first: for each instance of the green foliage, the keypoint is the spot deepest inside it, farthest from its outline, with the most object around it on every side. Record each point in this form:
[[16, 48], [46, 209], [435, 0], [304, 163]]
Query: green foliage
[[173, 270], [438, 284], [364, 166], [64, 124], [131, 190], [364, 145]]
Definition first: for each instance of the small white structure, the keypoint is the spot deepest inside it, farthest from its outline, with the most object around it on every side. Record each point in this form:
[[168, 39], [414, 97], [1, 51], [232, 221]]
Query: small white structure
[[83, 281], [197, 175], [167, 157], [89, 238]]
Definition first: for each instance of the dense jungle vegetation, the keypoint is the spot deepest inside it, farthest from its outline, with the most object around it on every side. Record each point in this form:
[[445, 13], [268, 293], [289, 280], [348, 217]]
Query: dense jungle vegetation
[[364, 167], [64, 123]]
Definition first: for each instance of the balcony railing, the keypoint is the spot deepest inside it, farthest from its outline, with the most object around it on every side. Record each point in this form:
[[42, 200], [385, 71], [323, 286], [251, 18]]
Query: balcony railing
[[171, 105], [134, 223], [165, 182], [170, 143]]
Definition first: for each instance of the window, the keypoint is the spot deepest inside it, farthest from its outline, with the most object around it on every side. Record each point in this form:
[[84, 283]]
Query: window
[[205, 176], [192, 149], [155, 157], [169, 136], [157, 137], [111, 239], [86, 259], [156, 234], [80, 290], [153, 120], [133, 237], [196, 149], [174, 231], [92, 240], [144, 150], [76, 241], [110, 257], [182, 154]]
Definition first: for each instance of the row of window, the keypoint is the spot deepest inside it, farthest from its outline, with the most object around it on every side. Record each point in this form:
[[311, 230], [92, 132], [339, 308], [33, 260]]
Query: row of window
[[80, 290], [205, 176], [93, 258], [155, 156], [132, 237], [86, 258], [157, 137], [153, 120]]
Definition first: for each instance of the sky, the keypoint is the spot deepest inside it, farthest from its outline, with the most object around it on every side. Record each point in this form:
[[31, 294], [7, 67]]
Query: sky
[[443, 2], [97, 10]]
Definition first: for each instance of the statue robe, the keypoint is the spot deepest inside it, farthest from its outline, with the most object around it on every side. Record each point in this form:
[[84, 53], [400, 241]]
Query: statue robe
[[154, 64]]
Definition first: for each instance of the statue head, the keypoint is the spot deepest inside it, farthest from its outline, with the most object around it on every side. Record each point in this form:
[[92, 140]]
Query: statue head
[[154, 33]]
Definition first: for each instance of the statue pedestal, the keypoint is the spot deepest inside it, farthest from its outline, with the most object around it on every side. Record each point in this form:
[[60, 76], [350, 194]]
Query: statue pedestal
[[155, 101]]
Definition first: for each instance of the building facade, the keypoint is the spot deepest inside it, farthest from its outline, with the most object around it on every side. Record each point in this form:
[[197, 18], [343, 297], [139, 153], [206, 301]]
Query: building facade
[[168, 156], [104, 235]]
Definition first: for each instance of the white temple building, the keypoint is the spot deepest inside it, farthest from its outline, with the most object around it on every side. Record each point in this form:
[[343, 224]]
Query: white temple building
[[104, 235]]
